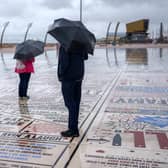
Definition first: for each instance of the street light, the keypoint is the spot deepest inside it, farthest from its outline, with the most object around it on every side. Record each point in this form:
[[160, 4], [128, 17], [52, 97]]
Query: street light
[[28, 27], [81, 10], [115, 34], [3, 31], [107, 34]]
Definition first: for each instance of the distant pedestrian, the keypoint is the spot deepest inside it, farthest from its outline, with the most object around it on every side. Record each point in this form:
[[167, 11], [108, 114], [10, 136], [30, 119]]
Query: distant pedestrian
[[24, 69], [71, 73]]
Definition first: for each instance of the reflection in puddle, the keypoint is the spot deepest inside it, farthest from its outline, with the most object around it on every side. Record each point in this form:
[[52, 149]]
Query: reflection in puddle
[[115, 56], [23, 108], [110, 60], [107, 57], [137, 56], [3, 62], [160, 52], [151, 58]]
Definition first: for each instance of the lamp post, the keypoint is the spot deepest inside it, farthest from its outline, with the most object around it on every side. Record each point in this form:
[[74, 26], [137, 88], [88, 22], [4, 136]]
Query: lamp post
[[81, 10], [45, 38], [115, 34], [107, 34], [28, 27], [3, 31]]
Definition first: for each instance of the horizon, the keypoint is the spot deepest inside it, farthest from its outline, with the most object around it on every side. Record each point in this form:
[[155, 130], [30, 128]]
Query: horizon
[[96, 15]]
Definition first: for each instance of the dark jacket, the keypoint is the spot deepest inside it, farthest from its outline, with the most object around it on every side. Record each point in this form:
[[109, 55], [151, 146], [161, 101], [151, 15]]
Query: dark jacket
[[71, 63]]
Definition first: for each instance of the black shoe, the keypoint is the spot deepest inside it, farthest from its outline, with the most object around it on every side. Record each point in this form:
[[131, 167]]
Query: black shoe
[[70, 133]]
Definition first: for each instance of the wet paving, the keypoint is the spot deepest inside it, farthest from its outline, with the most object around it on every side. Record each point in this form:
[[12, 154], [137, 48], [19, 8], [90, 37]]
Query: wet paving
[[123, 116]]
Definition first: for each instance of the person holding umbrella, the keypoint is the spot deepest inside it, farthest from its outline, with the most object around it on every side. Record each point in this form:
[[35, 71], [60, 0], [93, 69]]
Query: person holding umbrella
[[71, 73], [24, 69], [76, 41], [24, 55]]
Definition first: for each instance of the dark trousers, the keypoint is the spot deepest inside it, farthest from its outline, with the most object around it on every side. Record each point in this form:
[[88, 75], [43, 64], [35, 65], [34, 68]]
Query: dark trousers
[[23, 85], [71, 91]]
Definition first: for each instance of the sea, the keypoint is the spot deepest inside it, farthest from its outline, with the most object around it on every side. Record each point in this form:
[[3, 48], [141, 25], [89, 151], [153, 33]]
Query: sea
[[18, 38]]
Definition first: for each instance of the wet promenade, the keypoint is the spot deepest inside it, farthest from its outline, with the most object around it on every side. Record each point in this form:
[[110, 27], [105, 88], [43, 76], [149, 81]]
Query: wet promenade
[[123, 117]]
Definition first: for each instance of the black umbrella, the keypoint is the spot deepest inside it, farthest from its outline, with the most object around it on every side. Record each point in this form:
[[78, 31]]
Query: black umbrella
[[28, 49], [66, 31]]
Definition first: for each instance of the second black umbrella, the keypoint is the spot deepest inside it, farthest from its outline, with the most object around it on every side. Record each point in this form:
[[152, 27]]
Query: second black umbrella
[[29, 49]]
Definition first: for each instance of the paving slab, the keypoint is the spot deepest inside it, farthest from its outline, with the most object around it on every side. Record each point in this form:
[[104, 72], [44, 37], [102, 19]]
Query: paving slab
[[123, 116]]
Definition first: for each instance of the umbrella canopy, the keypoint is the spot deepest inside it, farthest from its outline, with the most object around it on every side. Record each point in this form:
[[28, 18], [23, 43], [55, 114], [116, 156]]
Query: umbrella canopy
[[28, 49], [66, 31]]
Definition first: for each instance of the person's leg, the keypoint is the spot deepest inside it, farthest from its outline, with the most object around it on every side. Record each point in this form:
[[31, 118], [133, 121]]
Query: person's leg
[[27, 79], [23, 85], [77, 99], [68, 95]]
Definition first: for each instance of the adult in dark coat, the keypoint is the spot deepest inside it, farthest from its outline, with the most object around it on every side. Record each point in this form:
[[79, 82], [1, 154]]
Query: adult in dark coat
[[71, 73]]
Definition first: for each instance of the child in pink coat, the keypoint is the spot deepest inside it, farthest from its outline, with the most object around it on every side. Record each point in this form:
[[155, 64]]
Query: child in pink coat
[[24, 69]]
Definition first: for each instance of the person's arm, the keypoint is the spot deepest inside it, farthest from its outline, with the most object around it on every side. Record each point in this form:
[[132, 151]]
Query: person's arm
[[63, 60], [85, 55]]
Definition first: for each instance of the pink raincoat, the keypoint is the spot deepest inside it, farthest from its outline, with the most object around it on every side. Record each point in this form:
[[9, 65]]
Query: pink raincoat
[[24, 66]]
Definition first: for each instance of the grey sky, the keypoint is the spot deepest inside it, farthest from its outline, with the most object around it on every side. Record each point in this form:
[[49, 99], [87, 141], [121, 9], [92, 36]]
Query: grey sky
[[96, 14]]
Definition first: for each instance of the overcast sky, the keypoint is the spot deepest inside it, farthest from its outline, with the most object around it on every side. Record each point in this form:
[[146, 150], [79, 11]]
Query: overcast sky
[[96, 14]]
